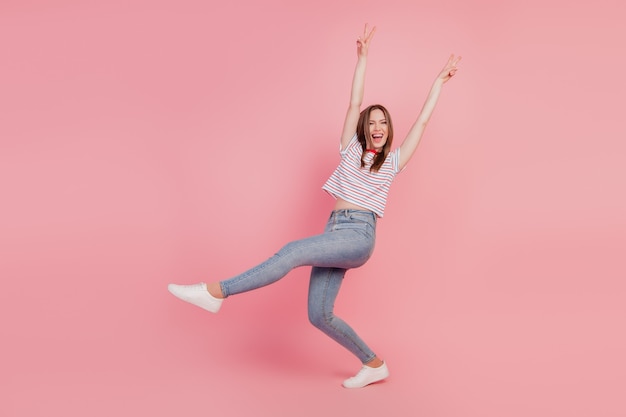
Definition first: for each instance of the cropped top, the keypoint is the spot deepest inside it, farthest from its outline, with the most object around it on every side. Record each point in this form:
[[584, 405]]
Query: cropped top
[[358, 185]]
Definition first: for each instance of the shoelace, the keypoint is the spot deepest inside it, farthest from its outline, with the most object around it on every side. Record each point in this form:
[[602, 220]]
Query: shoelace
[[361, 372], [200, 286]]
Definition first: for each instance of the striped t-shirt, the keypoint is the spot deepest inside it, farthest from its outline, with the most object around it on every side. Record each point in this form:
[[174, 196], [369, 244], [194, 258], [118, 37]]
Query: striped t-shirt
[[358, 185]]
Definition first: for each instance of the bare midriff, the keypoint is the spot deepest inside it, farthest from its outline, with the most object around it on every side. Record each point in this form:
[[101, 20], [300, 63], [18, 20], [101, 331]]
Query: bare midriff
[[342, 204]]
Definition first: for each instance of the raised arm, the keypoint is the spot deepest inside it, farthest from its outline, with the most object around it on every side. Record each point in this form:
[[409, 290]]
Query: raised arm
[[408, 147], [358, 86]]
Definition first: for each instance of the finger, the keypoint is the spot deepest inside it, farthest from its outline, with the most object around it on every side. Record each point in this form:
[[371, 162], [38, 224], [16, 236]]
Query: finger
[[361, 39], [371, 34], [456, 61]]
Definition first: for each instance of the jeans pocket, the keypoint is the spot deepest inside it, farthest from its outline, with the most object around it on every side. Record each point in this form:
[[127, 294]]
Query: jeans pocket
[[363, 229]]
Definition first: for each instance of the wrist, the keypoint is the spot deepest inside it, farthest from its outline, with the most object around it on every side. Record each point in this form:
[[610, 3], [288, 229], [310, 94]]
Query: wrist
[[438, 81]]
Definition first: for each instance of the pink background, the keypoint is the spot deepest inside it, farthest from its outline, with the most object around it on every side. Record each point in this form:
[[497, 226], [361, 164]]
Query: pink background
[[148, 142]]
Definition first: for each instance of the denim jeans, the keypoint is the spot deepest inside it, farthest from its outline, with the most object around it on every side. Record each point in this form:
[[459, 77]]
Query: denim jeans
[[347, 242]]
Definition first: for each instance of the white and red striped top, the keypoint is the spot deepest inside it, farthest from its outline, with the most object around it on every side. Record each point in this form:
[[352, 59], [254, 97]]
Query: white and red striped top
[[358, 185]]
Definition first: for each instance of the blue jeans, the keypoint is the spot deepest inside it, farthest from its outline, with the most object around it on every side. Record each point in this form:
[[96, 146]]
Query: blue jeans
[[347, 242]]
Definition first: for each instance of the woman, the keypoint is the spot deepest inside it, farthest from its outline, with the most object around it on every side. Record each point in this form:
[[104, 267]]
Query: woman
[[360, 185]]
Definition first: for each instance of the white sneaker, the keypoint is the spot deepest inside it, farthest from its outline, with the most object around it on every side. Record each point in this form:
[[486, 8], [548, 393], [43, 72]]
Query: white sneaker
[[196, 294], [367, 375]]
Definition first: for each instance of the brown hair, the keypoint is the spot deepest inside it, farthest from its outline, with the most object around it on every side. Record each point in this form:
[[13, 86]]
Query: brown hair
[[362, 130]]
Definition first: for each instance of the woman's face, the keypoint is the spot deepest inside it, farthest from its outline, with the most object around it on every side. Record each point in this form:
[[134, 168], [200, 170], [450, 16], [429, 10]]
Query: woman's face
[[377, 130]]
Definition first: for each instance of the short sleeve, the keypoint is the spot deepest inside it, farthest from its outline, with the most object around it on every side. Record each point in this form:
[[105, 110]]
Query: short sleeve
[[353, 142], [395, 161]]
